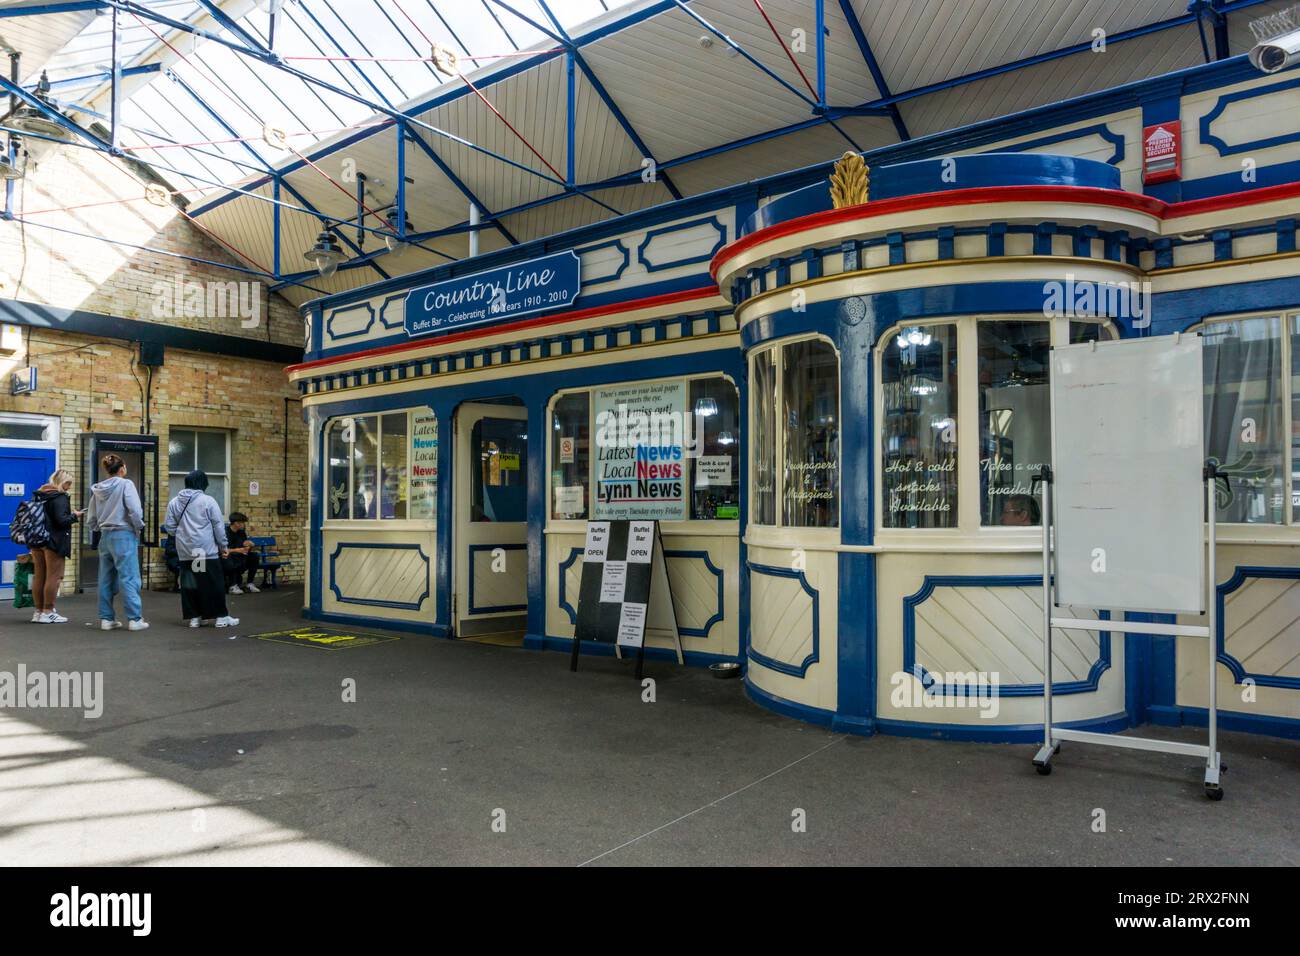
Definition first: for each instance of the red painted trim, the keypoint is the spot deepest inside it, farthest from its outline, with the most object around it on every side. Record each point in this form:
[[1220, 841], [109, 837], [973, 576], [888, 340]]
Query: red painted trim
[[1194, 207], [668, 298], [988, 194]]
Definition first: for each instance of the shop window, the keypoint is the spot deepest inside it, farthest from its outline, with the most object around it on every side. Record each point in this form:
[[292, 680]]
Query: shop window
[[571, 456], [689, 430], [715, 471], [811, 387], [1295, 419], [208, 451], [1244, 417], [795, 392], [762, 445], [382, 467], [499, 487], [919, 428], [1015, 419]]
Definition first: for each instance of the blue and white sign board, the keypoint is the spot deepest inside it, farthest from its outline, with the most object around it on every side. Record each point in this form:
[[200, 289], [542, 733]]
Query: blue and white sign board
[[551, 282]]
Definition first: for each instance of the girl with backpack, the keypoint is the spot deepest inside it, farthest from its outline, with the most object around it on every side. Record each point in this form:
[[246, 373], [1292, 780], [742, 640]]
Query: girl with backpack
[[49, 556]]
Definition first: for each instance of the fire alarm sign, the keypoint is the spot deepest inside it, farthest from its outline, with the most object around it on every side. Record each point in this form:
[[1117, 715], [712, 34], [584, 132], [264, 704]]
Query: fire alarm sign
[[1162, 152]]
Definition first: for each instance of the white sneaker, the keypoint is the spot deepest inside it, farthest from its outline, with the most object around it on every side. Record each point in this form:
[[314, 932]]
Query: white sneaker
[[53, 617], [139, 624], [252, 588], [109, 625], [36, 617], [235, 589], [227, 621], [196, 622]]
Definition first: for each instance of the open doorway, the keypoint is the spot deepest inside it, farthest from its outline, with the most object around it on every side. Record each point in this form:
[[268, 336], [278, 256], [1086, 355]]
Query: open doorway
[[490, 534]]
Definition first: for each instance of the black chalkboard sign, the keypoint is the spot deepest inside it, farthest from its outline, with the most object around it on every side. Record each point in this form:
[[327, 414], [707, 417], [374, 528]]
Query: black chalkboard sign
[[622, 565]]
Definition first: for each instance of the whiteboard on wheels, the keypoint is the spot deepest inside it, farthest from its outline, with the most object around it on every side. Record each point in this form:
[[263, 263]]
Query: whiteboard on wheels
[[1127, 492]]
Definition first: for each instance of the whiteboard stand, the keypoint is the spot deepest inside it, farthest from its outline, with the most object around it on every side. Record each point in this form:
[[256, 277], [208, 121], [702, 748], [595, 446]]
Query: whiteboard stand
[[1052, 734]]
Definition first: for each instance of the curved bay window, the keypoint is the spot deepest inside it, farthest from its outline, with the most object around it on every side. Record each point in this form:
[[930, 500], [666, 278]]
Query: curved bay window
[[924, 469], [918, 379], [1252, 414], [795, 450], [382, 466]]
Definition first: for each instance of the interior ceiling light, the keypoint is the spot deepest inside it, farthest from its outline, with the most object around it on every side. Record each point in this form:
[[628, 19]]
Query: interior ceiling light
[[913, 336], [391, 238], [30, 119], [326, 254], [10, 170]]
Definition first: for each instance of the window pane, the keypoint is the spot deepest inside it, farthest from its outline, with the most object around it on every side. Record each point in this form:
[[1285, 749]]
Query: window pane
[[570, 456], [180, 450], [392, 467], [500, 491], [212, 452], [1015, 420], [919, 428], [338, 504], [175, 485], [365, 467], [1295, 419], [762, 446], [1243, 417], [715, 469], [217, 489], [811, 404], [1089, 332], [424, 465]]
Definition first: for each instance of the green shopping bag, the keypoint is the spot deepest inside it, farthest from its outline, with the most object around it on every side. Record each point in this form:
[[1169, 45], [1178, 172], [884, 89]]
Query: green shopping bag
[[23, 583]]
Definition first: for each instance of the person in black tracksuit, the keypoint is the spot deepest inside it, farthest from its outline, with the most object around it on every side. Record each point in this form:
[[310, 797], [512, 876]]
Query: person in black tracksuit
[[242, 555]]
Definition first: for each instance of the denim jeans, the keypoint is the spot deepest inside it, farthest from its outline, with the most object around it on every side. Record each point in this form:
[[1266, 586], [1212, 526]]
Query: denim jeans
[[119, 569]]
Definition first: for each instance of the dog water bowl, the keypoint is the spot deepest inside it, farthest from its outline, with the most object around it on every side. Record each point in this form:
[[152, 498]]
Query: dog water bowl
[[725, 669]]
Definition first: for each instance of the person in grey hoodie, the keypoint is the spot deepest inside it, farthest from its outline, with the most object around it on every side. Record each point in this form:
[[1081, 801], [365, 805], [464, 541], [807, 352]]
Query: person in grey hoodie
[[116, 514], [194, 520]]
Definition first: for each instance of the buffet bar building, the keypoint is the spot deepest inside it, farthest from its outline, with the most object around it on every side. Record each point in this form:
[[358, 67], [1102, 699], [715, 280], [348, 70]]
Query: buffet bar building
[[861, 367]]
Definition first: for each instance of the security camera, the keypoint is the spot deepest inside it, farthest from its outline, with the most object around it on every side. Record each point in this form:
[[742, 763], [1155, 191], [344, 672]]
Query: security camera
[[1270, 56]]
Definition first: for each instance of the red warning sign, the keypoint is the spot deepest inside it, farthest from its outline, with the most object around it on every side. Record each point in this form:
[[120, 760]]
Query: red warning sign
[[1162, 158]]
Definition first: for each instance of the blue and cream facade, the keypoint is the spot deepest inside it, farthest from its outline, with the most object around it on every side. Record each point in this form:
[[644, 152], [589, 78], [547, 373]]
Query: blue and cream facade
[[877, 375]]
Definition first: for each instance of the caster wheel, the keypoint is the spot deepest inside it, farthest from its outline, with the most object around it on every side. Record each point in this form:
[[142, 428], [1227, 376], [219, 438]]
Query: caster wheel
[[1044, 769], [1213, 792]]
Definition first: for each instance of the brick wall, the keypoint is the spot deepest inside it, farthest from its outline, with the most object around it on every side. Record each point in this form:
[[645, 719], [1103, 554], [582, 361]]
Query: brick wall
[[95, 385]]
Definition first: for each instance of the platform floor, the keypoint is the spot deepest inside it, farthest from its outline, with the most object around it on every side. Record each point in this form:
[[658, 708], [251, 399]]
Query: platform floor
[[214, 748]]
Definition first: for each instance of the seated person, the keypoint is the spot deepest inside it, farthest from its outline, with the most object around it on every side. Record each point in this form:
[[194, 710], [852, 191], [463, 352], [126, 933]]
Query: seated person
[[241, 555], [1021, 510]]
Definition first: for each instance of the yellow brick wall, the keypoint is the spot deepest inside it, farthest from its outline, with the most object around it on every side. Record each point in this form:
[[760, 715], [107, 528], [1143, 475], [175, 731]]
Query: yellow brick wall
[[82, 377]]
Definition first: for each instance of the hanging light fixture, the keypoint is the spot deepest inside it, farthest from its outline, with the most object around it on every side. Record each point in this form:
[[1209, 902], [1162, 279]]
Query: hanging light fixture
[[706, 407], [391, 238], [326, 254], [12, 169], [31, 119], [913, 336]]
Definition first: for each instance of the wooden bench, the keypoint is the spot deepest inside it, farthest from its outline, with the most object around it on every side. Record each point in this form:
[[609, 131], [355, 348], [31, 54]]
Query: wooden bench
[[270, 563]]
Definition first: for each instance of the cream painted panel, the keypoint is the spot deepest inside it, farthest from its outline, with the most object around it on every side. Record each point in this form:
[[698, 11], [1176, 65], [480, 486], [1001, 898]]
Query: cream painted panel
[[981, 628], [362, 565], [780, 625], [507, 587], [1260, 630], [1242, 121]]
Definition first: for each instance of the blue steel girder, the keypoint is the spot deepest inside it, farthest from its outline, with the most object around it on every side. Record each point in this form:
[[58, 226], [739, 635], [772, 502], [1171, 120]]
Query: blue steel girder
[[230, 26], [456, 181], [873, 66], [576, 57], [220, 121]]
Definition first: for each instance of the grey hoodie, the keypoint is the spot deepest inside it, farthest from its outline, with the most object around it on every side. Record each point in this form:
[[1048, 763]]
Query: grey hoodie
[[196, 523], [115, 506]]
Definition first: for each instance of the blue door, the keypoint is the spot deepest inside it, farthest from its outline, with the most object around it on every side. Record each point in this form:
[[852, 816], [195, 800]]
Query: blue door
[[22, 471]]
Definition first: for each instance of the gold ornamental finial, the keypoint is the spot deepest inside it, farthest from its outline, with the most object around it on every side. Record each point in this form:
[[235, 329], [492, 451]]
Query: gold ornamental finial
[[851, 181]]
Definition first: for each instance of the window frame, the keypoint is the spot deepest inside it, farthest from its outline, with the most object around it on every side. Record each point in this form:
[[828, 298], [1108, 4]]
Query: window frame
[[228, 474], [777, 349], [968, 524], [409, 412], [697, 525], [1290, 460]]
